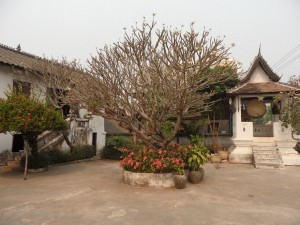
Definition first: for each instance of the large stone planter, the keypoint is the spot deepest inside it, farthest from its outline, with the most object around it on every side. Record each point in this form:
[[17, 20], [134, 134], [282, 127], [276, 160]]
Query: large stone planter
[[149, 179]]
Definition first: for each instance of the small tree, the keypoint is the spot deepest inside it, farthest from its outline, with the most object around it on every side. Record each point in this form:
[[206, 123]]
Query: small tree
[[290, 111], [21, 114]]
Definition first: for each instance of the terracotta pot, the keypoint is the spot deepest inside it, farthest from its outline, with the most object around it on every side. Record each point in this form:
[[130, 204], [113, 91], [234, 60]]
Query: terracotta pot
[[215, 159], [196, 176], [180, 181], [223, 154]]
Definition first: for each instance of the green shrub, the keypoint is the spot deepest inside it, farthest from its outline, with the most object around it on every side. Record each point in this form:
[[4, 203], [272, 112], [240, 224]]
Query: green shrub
[[118, 141], [80, 152], [111, 152], [57, 156], [36, 161], [84, 152], [113, 145]]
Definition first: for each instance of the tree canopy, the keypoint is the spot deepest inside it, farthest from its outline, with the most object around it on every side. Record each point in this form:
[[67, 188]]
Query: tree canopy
[[290, 111], [21, 113], [150, 77]]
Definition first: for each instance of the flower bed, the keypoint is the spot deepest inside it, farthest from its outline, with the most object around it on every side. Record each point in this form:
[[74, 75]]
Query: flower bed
[[153, 167], [148, 160]]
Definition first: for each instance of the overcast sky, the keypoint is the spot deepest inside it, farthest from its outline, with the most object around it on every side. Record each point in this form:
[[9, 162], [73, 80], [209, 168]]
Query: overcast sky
[[75, 28]]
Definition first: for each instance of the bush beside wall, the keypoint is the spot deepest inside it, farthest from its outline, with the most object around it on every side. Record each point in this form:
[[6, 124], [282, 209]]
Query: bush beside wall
[[57, 156], [36, 161], [113, 145]]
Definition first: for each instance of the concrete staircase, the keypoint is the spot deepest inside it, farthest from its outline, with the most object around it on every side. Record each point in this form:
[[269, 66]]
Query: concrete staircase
[[49, 139], [267, 157]]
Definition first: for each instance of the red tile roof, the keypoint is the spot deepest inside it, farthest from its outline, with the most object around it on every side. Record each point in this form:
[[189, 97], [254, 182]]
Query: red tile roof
[[261, 88]]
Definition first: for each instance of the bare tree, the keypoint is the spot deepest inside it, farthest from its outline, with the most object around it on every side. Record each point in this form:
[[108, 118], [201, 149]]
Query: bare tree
[[50, 80], [152, 76]]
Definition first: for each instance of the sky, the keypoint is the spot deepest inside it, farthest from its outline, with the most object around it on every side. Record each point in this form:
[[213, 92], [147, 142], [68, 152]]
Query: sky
[[76, 28]]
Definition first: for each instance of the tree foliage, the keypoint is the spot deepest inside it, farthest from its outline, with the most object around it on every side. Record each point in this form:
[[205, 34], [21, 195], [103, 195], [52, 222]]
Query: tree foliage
[[290, 111], [21, 114], [150, 77]]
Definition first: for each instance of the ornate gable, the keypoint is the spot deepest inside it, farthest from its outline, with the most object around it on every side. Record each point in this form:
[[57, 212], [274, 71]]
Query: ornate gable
[[260, 79], [260, 63]]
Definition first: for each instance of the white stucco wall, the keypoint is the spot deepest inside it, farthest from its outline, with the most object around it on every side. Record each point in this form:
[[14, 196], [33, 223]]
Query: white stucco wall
[[6, 141], [6, 78], [96, 125], [259, 75], [240, 130], [280, 132]]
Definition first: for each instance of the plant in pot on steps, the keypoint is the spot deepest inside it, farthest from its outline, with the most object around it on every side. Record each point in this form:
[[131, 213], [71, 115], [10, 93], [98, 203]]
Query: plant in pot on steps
[[197, 156], [180, 178], [214, 130], [223, 153]]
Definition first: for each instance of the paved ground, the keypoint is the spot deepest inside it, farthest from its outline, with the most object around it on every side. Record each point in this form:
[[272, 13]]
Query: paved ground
[[93, 193]]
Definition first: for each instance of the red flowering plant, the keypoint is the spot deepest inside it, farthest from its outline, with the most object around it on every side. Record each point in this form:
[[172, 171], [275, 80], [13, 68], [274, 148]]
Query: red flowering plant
[[150, 160], [21, 113]]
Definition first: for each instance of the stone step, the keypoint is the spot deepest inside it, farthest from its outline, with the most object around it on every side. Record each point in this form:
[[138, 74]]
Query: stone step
[[267, 156], [264, 147], [269, 166], [267, 160], [265, 143], [265, 152]]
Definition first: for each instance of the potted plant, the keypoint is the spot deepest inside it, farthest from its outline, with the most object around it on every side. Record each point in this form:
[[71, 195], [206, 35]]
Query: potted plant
[[180, 178], [198, 155], [223, 153], [214, 130]]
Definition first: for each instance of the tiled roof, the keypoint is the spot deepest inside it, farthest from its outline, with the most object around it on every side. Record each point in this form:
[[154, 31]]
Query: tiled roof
[[261, 88], [259, 60], [112, 127], [13, 57]]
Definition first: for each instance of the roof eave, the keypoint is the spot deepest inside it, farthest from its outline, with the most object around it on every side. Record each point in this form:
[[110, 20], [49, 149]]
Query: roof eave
[[261, 61]]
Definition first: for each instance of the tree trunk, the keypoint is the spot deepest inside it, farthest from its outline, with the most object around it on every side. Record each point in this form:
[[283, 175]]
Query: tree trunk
[[26, 160], [69, 143], [31, 138]]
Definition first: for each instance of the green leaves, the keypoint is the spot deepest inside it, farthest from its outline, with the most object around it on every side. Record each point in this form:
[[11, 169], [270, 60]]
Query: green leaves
[[198, 154], [20, 113]]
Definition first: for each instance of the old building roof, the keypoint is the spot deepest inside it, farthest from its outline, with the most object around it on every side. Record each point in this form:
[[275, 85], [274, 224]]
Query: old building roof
[[259, 60], [112, 127], [13, 57], [261, 88]]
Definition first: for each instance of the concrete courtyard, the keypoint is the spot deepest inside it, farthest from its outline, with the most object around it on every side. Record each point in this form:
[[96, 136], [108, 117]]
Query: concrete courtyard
[[93, 193]]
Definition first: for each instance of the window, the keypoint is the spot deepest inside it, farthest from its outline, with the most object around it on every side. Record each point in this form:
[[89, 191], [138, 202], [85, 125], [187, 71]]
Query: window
[[22, 87]]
